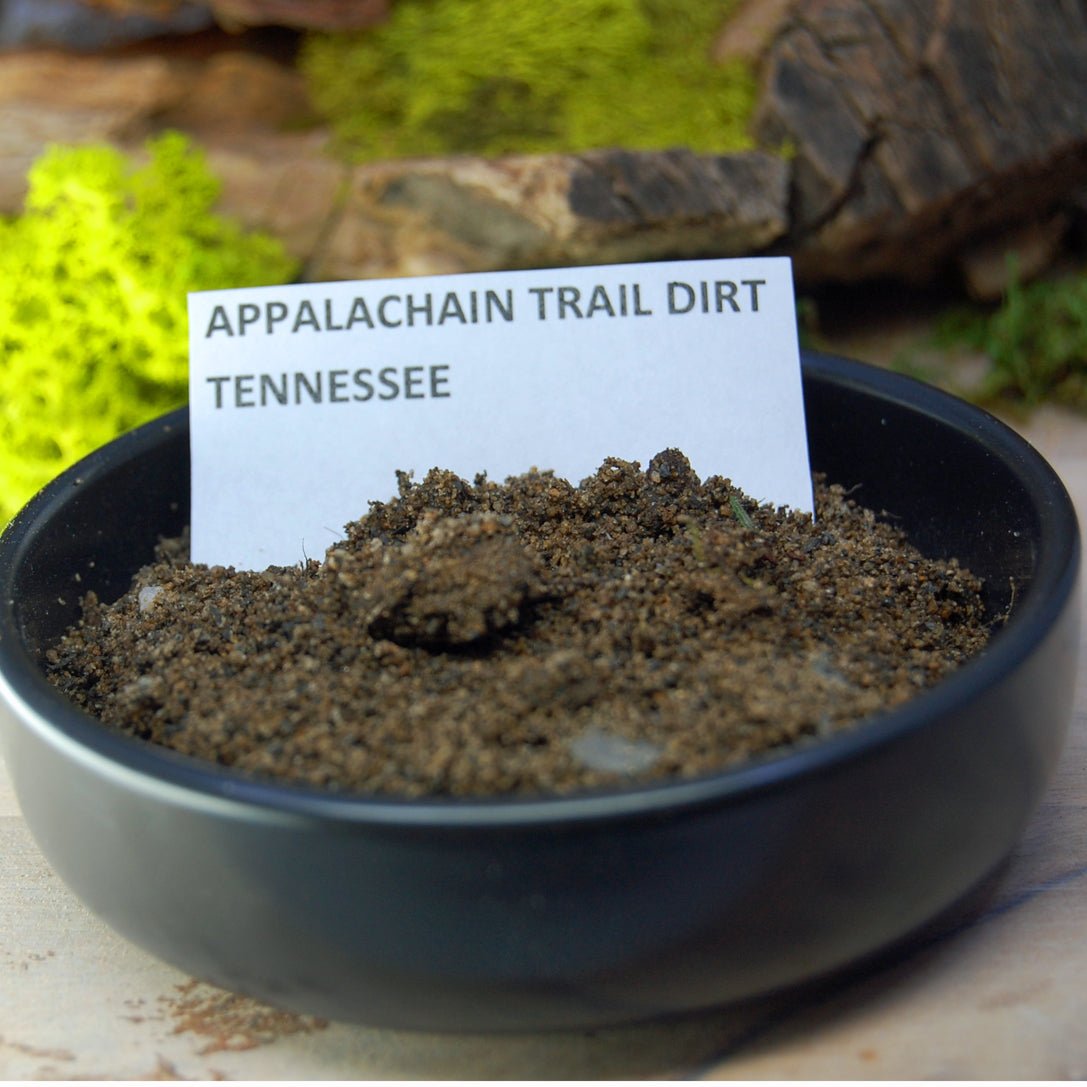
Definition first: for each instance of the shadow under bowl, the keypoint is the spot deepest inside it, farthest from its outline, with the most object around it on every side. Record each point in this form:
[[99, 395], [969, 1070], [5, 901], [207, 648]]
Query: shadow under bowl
[[576, 911]]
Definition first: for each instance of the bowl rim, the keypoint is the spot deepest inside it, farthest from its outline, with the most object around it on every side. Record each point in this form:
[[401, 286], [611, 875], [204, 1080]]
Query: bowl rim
[[150, 768]]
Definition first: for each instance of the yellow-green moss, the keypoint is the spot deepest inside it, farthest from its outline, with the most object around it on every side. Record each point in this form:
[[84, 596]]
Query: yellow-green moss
[[504, 76], [93, 282]]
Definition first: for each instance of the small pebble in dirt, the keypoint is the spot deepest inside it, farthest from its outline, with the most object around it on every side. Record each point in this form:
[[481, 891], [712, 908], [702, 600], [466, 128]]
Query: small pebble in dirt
[[147, 596], [596, 749], [530, 637]]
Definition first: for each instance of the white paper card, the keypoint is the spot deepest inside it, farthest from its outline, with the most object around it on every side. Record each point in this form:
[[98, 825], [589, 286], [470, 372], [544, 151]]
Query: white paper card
[[306, 399]]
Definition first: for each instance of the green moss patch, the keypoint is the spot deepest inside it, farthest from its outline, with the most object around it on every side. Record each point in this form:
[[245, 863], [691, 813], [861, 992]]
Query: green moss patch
[[93, 282], [1035, 342], [491, 77]]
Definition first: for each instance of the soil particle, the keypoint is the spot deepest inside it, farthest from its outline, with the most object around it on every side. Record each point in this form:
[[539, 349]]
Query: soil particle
[[530, 637]]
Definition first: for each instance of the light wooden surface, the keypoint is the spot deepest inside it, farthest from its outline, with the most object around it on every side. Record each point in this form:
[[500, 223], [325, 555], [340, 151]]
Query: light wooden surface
[[1000, 993]]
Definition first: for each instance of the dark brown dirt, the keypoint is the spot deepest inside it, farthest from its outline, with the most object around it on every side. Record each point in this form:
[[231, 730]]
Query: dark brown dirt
[[530, 637]]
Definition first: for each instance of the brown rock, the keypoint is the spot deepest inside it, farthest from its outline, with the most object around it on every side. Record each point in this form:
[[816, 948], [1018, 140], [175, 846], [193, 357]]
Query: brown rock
[[920, 127], [48, 97], [135, 86], [280, 184], [233, 104], [241, 90], [301, 14], [470, 214]]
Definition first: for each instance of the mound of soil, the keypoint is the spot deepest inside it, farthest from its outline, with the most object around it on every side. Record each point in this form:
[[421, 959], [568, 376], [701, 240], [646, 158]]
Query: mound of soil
[[530, 637]]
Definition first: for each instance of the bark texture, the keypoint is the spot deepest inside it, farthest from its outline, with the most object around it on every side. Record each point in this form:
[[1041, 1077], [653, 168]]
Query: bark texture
[[921, 128]]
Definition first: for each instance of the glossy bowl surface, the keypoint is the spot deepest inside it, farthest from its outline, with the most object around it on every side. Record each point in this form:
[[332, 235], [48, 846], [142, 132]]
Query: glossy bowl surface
[[577, 911]]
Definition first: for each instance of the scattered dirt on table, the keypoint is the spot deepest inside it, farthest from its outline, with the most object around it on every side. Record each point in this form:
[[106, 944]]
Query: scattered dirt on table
[[37, 1052], [230, 1023], [530, 637]]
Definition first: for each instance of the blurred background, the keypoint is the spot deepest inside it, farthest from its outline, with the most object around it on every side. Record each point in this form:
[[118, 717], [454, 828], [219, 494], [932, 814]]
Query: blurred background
[[923, 162]]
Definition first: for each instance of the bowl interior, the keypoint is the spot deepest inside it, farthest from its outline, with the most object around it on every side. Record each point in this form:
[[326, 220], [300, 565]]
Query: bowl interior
[[956, 480]]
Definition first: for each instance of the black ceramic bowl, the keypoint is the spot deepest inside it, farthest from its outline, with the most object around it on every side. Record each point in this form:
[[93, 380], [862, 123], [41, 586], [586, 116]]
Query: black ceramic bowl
[[575, 911]]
